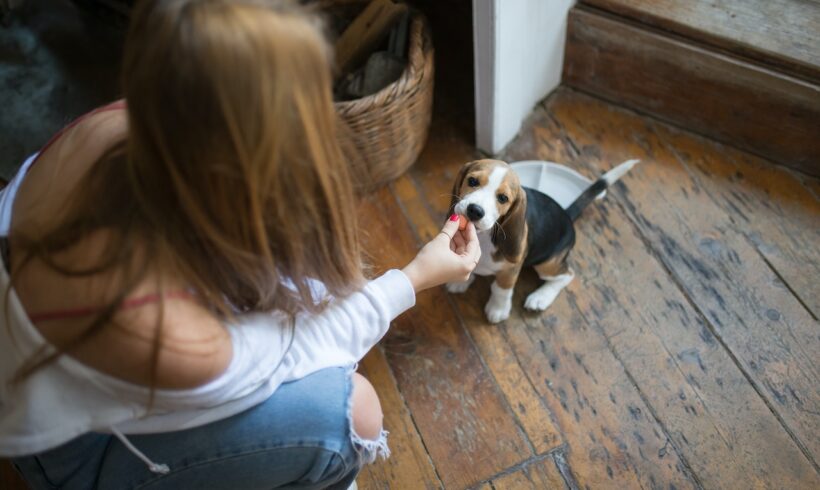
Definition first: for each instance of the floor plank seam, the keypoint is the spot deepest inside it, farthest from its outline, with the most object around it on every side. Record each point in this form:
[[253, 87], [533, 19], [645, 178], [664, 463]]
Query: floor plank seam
[[516, 419], [535, 390], [780, 277], [526, 374], [669, 439], [406, 215], [425, 198], [564, 134], [654, 122], [681, 287], [519, 424], [560, 460], [462, 324], [645, 399], [745, 235], [804, 181], [413, 420], [691, 473], [575, 152], [504, 154], [522, 465], [416, 235], [566, 471], [654, 118], [679, 284]]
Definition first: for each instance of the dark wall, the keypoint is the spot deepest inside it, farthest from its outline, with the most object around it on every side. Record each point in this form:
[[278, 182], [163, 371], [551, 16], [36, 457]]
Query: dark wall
[[452, 22], [60, 59], [57, 61]]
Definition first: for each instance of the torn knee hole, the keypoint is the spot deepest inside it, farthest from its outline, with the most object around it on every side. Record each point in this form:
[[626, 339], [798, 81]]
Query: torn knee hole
[[365, 418]]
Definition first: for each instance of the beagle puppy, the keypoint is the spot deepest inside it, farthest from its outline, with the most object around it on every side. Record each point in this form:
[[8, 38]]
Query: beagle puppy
[[519, 227]]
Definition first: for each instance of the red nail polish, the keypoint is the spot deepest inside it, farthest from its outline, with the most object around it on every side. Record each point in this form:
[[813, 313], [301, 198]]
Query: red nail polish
[[453, 217]]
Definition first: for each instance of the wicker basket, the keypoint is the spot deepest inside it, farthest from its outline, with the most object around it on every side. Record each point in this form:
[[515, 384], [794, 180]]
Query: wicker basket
[[389, 128]]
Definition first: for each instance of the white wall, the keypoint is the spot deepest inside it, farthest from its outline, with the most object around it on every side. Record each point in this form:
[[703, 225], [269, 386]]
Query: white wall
[[519, 53]]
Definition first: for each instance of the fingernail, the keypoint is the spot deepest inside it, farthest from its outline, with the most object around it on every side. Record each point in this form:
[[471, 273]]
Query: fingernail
[[453, 217]]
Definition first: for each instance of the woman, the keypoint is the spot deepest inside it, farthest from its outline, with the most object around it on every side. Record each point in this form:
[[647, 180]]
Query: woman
[[184, 301]]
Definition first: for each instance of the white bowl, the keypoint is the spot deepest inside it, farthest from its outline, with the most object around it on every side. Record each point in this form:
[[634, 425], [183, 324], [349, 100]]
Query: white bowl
[[557, 181]]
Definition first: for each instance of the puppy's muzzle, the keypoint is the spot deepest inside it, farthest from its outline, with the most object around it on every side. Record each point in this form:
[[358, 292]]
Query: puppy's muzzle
[[475, 212]]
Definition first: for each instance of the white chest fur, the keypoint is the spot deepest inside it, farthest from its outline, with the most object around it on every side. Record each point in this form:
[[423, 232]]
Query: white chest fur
[[486, 265]]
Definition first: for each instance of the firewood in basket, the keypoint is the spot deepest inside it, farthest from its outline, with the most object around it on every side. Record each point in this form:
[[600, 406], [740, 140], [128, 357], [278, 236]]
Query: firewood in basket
[[364, 34]]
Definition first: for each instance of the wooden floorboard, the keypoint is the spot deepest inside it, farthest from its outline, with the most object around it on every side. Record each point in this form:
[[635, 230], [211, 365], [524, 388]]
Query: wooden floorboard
[[535, 476], [464, 421], [668, 350], [594, 452], [520, 395], [663, 365], [674, 359], [709, 248], [773, 208], [685, 353], [613, 440], [409, 462]]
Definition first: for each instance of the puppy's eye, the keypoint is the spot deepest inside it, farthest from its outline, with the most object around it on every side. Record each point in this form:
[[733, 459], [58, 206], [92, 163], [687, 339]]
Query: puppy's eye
[[502, 198], [472, 182]]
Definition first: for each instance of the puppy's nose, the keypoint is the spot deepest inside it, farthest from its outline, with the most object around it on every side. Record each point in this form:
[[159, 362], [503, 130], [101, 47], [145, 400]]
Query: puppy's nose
[[475, 212]]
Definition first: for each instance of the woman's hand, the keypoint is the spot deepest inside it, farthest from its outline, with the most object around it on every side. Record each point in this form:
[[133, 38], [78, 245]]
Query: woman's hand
[[449, 257]]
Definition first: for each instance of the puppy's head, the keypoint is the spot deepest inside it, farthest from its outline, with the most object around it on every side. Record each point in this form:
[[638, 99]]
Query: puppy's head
[[488, 192]]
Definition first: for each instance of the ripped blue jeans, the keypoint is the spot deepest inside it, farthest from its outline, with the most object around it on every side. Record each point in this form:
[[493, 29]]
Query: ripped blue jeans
[[301, 437]]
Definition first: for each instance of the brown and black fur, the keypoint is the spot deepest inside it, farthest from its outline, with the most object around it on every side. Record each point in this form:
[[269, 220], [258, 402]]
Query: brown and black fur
[[531, 228]]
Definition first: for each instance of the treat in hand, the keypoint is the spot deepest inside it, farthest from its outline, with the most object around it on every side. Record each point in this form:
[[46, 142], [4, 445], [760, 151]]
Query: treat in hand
[[462, 222]]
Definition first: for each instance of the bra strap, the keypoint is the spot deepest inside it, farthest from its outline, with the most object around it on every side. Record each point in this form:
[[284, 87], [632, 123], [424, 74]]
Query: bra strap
[[90, 310]]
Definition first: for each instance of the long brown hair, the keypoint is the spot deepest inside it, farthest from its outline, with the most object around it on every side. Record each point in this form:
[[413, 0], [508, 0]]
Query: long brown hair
[[230, 175]]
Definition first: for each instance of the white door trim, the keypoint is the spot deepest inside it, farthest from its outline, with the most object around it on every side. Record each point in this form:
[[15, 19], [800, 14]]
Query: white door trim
[[484, 51], [518, 48]]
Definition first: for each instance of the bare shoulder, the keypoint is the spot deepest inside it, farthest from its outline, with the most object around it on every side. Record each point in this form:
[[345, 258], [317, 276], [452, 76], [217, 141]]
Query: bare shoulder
[[188, 344], [163, 338], [62, 164], [193, 346]]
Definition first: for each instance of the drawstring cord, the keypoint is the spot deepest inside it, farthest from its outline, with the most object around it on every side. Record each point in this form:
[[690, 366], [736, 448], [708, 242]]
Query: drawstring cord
[[161, 469]]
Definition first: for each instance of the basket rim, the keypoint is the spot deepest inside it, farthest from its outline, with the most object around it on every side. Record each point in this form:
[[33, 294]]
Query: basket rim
[[417, 73]]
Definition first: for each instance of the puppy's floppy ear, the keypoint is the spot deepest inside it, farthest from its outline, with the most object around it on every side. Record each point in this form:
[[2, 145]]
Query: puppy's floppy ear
[[509, 234], [454, 194]]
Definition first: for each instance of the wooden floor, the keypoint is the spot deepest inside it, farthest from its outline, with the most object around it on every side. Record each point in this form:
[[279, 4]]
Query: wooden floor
[[684, 355]]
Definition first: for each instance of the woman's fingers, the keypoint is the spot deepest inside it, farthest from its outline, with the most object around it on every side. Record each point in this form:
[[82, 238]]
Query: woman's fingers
[[450, 228], [450, 256], [459, 240], [470, 232], [472, 249]]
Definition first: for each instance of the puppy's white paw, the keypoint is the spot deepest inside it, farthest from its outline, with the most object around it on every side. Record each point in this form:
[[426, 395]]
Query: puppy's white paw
[[541, 299], [459, 287], [499, 306], [497, 311]]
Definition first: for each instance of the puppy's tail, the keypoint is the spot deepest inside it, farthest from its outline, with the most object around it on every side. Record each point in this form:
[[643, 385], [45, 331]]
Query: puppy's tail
[[576, 208]]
